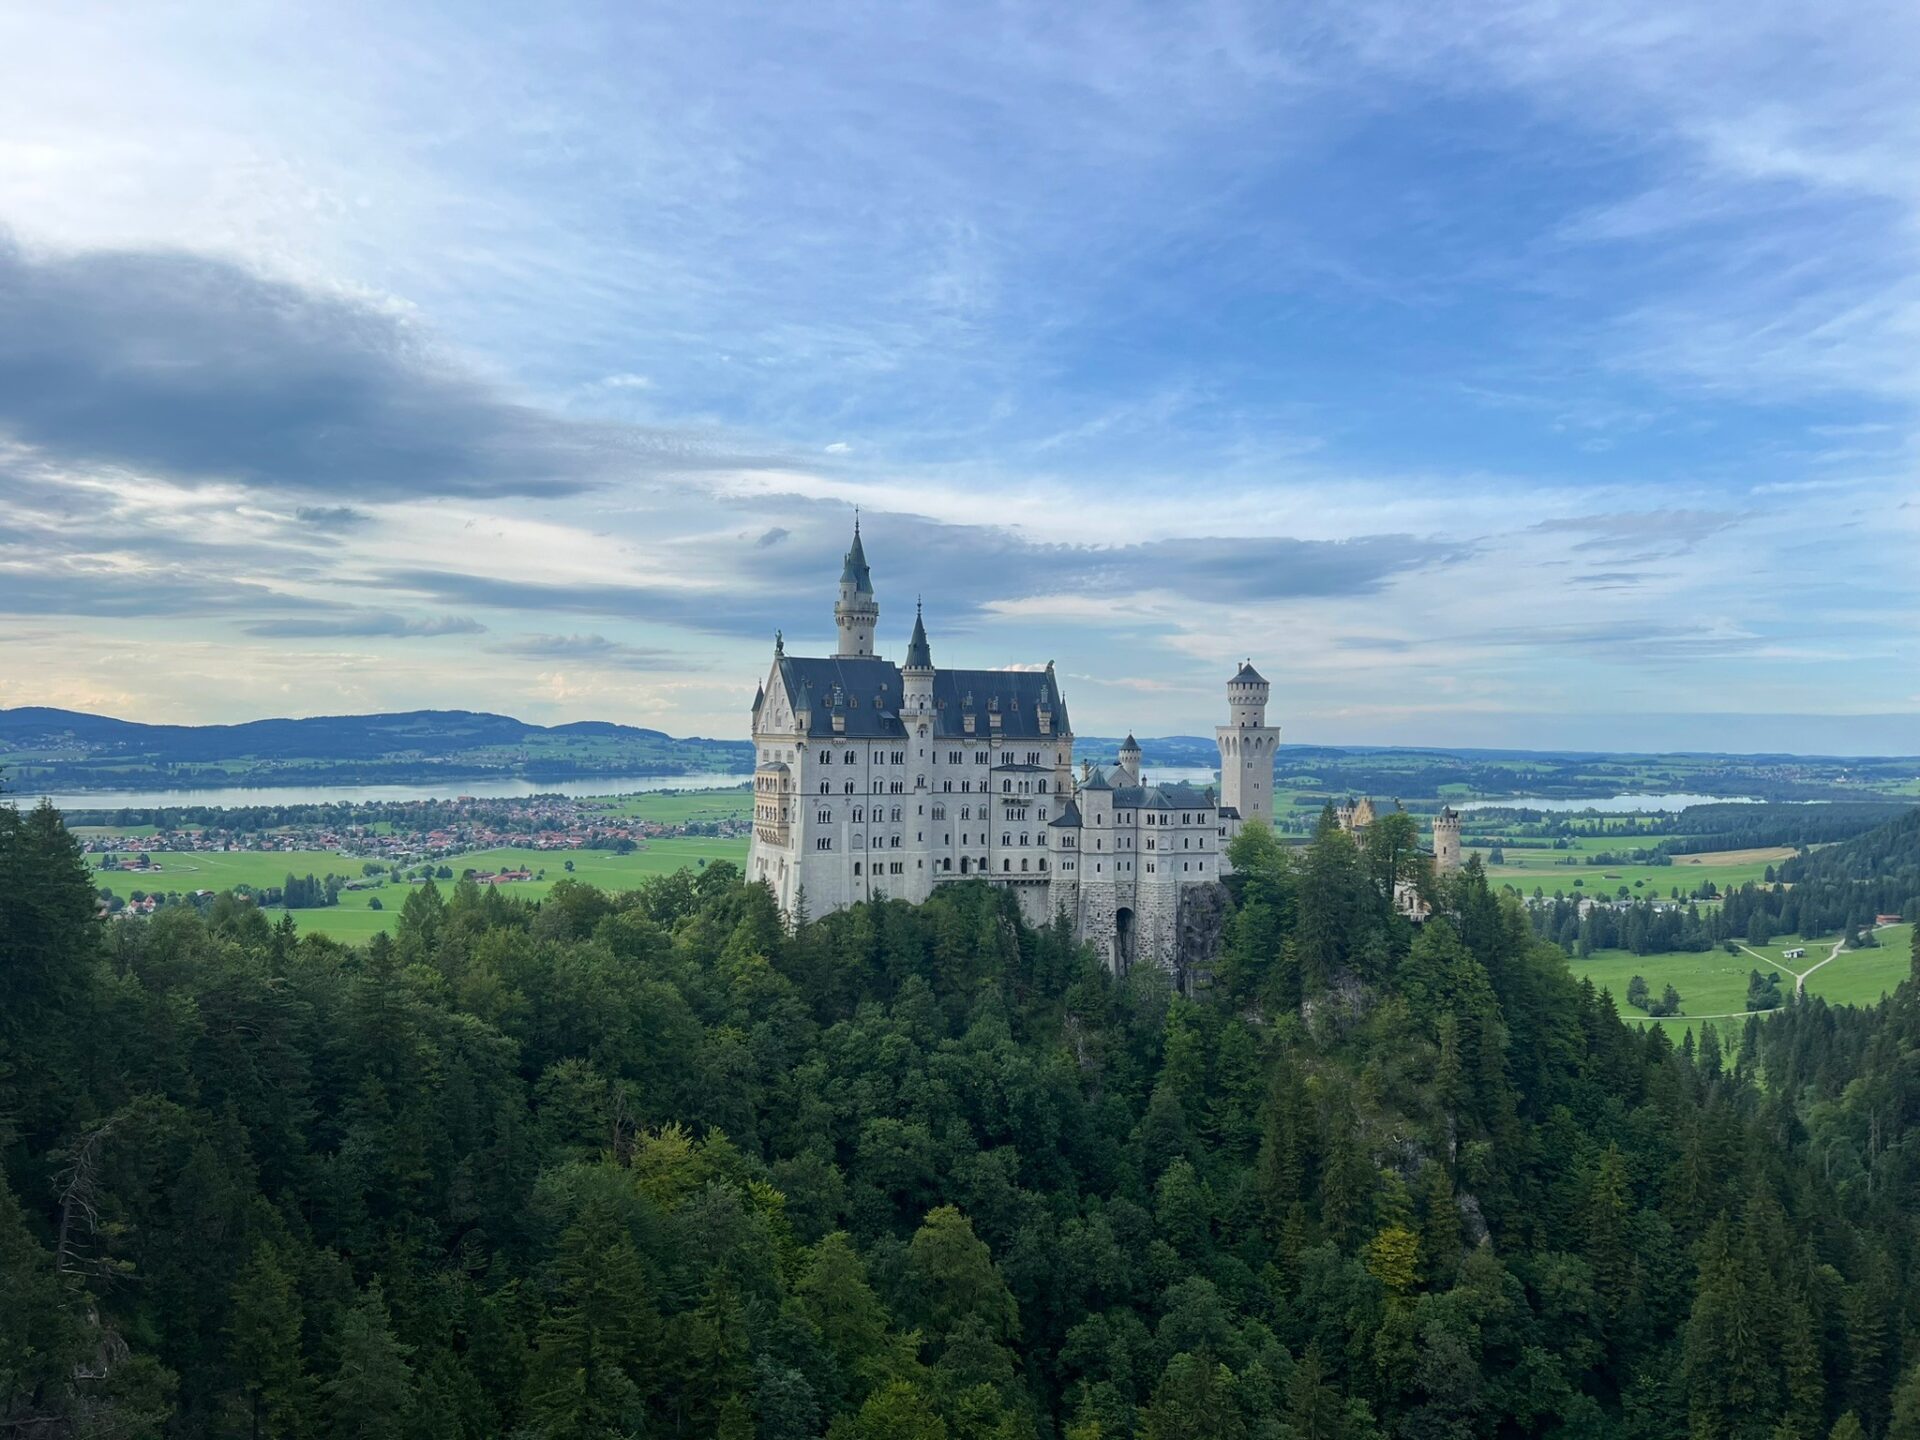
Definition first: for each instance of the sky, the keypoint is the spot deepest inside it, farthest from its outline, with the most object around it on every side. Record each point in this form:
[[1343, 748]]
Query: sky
[[1497, 374]]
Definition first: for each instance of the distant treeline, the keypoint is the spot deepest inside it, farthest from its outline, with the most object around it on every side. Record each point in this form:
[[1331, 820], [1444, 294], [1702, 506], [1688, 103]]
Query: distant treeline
[[1744, 827], [1837, 891], [1882, 867]]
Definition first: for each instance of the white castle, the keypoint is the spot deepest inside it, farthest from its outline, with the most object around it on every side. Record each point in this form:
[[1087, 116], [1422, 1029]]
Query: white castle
[[873, 779]]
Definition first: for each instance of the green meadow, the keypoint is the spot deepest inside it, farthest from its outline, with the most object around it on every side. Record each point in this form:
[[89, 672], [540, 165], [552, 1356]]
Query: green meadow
[[1713, 983], [1525, 869], [682, 807], [354, 919]]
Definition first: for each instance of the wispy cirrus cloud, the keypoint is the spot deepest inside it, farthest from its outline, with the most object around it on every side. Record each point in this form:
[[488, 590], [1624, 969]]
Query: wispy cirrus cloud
[[1425, 346]]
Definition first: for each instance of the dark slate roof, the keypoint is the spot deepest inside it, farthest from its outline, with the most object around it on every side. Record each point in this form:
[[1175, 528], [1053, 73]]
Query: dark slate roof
[[1180, 796], [869, 691], [1069, 817], [1096, 781], [1129, 744], [855, 569], [1024, 768], [1250, 676], [919, 655], [1229, 812]]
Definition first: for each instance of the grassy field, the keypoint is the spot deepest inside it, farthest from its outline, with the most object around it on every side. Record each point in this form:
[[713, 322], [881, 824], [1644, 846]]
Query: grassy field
[[353, 919], [1861, 977], [1525, 869], [683, 807], [1714, 983]]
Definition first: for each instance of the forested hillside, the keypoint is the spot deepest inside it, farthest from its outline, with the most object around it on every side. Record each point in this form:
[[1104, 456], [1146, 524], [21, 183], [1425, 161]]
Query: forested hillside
[[44, 749], [652, 1164], [1885, 862]]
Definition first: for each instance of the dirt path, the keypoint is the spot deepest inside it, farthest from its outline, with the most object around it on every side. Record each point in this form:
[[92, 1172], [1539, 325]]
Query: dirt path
[[1799, 977]]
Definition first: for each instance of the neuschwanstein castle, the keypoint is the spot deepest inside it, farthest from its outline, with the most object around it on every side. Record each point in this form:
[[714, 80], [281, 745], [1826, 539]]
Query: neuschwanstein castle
[[874, 779]]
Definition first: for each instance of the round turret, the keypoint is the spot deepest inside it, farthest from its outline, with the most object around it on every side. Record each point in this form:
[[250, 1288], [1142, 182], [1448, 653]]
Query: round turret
[[1446, 841], [1247, 695], [1247, 744]]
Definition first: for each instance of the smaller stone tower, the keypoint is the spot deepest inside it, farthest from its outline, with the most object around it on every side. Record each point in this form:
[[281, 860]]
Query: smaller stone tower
[[1247, 744], [1130, 757], [856, 613], [916, 676], [1446, 841]]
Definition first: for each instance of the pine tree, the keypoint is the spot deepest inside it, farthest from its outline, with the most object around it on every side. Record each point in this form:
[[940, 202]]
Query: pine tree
[[264, 1346], [371, 1395], [592, 1349], [1732, 1378], [1315, 1410], [1440, 1229]]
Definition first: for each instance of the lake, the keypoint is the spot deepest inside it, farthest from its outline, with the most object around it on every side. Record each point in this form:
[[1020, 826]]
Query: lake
[[236, 795], [1610, 805], [230, 796]]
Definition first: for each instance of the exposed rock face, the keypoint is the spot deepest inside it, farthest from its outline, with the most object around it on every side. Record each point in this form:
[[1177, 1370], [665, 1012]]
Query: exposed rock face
[[1199, 925], [1346, 1000]]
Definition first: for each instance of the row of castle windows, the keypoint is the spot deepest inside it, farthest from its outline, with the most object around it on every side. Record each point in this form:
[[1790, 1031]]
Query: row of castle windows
[[967, 866], [858, 814]]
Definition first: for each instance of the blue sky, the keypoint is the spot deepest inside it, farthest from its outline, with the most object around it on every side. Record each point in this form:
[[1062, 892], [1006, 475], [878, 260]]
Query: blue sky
[[1502, 374]]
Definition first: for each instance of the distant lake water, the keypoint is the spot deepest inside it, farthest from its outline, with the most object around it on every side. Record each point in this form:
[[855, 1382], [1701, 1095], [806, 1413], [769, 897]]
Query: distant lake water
[[231, 796], [1611, 805]]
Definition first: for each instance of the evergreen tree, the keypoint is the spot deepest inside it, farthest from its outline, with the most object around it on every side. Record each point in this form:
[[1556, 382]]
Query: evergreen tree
[[371, 1395], [265, 1346]]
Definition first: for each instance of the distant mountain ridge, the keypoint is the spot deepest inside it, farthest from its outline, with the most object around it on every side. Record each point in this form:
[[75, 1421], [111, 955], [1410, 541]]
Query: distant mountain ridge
[[46, 748]]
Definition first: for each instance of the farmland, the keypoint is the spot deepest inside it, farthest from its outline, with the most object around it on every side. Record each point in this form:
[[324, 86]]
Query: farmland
[[1569, 871], [1713, 983], [354, 919]]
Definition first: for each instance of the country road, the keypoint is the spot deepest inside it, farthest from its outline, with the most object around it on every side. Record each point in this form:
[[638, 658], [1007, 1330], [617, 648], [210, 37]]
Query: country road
[[1799, 978]]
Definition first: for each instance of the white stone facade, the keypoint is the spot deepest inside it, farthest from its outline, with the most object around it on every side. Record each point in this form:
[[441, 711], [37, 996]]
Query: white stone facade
[[875, 780]]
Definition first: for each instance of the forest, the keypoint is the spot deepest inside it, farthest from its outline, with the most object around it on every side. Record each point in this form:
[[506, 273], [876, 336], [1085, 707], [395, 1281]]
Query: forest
[[660, 1164]]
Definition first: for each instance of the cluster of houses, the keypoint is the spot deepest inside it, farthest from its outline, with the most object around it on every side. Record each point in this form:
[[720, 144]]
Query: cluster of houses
[[548, 823]]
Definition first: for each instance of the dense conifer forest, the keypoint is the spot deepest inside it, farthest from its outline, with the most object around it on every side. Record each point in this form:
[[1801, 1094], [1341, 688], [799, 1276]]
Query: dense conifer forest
[[657, 1164]]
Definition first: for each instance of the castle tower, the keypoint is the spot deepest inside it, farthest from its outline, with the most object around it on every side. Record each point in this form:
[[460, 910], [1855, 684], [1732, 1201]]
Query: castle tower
[[916, 676], [1130, 757], [1247, 745], [1446, 841], [856, 613]]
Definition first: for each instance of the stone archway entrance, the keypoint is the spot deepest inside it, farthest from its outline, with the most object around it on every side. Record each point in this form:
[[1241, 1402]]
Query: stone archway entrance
[[1123, 940]]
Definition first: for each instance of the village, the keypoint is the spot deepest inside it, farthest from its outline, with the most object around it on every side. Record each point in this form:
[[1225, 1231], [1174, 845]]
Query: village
[[398, 833]]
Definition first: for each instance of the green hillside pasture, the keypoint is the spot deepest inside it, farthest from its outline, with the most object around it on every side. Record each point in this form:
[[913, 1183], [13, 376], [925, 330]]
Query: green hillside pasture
[[1710, 982], [352, 920], [1861, 977], [1714, 983], [1643, 882], [682, 807]]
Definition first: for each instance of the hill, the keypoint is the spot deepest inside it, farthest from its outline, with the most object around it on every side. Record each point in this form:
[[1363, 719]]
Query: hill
[[657, 1162], [66, 749]]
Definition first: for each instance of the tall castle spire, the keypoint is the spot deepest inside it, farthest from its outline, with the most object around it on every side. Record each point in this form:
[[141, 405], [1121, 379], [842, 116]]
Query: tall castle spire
[[919, 653], [856, 613], [916, 676]]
